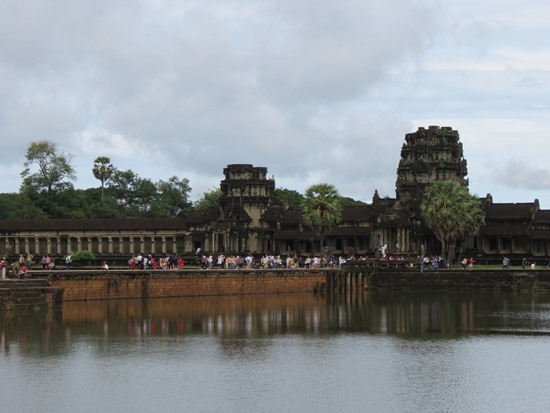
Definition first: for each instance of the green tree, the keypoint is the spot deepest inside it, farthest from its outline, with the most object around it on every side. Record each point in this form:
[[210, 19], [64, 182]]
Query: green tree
[[209, 200], [129, 191], [321, 209], [103, 170], [347, 201], [452, 213], [19, 206], [290, 197], [173, 197], [52, 171]]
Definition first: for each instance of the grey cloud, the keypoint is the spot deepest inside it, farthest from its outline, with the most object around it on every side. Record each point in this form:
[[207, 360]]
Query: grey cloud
[[311, 90], [523, 175]]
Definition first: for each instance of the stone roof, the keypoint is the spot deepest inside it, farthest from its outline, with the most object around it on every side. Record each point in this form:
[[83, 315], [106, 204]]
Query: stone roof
[[237, 213], [196, 217], [352, 231], [358, 213], [294, 234], [540, 234], [111, 224], [291, 217], [508, 211], [273, 213], [492, 230], [542, 217]]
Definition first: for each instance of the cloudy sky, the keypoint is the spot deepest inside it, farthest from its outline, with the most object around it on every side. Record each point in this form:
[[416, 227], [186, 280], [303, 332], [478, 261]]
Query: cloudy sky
[[316, 90]]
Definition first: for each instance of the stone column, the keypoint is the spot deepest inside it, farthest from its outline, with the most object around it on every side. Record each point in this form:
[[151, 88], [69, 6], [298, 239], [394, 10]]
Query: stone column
[[111, 245], [132, 249], [49, 245]]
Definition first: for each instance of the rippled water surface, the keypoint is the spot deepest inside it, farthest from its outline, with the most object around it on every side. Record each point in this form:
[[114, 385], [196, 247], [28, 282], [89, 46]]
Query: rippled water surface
[[377, 352]]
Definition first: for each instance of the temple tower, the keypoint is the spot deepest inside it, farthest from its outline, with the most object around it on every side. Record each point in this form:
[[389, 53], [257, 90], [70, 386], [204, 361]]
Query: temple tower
[[247, 188], [429, 155]]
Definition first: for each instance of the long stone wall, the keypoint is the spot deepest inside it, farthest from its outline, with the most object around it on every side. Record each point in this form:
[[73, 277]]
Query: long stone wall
[[124, 284], [407, 279]]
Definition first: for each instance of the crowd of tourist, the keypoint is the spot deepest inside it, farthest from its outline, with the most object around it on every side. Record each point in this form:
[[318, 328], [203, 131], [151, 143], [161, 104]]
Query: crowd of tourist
[[246, 261], [150, 262]]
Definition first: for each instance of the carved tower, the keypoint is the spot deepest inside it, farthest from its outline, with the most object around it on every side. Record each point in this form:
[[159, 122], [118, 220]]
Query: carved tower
[[429, 155], [246, 194]]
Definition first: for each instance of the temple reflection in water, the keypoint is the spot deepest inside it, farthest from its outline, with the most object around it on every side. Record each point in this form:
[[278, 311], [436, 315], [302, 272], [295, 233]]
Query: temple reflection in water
[[428, 315]]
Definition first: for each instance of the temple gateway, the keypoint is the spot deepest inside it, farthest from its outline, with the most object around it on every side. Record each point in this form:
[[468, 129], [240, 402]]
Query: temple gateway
[[249, 221]]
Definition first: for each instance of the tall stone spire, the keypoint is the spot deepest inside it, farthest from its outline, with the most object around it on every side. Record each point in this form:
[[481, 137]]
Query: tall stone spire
[[429, 155]]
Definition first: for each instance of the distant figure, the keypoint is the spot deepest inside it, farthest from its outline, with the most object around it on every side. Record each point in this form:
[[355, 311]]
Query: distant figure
[[533, 265], [423, 262], [523, 263], [464, 262], [435, 264], [3, 267], [471, 265], [105, 266], [68, 260], [505, 263]]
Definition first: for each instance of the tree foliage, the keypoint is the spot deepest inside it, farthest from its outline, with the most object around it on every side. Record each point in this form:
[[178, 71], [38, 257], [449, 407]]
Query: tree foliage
[[292, 198], [47, 192], [452, 213], [135, 195], [347, 201], [103, 170], [52, 171], [321, 209], [210, 199], [173, 197], [83, 258], [19, 206]]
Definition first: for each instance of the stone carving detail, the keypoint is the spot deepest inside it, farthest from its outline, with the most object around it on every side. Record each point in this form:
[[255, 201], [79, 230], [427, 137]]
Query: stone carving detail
[[429, 155]]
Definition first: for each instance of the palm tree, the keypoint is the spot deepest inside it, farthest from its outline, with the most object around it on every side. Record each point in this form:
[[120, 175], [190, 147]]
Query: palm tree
[[103, 170], [321, 209], [451, 213]]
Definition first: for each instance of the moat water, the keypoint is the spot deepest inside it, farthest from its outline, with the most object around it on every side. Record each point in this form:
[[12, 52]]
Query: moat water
[[367, 352]]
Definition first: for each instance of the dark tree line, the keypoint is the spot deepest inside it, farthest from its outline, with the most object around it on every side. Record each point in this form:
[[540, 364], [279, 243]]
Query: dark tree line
[[47, 191]]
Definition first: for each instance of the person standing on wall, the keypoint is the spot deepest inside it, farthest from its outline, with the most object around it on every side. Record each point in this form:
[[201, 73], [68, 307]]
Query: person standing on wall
[[68, 260]]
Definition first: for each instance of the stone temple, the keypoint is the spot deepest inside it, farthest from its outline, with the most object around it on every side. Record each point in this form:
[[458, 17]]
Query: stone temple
[[249, 221]]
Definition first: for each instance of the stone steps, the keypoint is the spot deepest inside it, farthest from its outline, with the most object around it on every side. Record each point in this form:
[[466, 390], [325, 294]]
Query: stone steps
[[25, 294]]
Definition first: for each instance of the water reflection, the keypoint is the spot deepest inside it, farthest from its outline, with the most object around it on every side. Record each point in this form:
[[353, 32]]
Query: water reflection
[[411, 315]]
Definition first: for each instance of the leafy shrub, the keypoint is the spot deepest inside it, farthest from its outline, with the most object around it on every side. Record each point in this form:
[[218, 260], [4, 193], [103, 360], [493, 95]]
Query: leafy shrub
[[83, 258]]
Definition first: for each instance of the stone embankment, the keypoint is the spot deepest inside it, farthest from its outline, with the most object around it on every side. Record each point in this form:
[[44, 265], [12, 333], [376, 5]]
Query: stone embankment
[[408, 279], [81, 285], [47, 289]]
